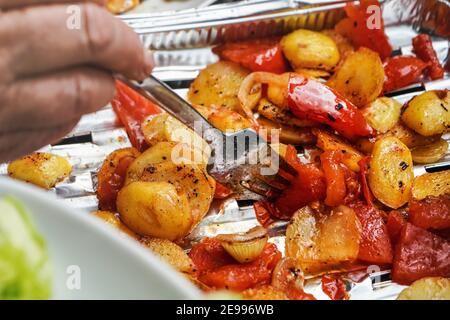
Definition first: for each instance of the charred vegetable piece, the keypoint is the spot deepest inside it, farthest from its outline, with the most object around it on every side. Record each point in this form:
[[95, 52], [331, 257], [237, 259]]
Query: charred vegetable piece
[[132, 109], [419, 254], [431, 184], [382, 114], [309, 99], [255, 55], [111, 176], [423, 48], [364, 165], [375, 246], [334, 287], [360, 28], [402, 71], [431, 212]]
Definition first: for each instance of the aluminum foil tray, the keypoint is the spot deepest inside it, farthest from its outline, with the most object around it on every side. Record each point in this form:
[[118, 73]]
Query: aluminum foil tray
[[182, 41]]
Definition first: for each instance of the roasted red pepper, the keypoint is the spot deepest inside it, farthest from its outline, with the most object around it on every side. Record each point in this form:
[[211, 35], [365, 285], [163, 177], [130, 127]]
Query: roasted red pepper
[[375, 246], [222, 192], [431, 212], [256, 55], [364, 166], [395, 223], [235, 276], [423, 48], [401, 71], [265, 211], [310, 99], [308, 186], [420, 254], [342, 183], [365, 27], [132, 109], [334, 287]]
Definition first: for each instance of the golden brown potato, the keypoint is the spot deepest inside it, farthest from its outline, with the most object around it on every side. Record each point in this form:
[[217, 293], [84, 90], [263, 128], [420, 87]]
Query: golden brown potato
[[310, 49], [277, 94], [428, 113], [113, 220], [323, 241], [155, 209], [431, 184], [344, 45], [360, 77], [282, 115], [266, 292], [44, 170], [163, 127], [218, 86], [430, 153], [171, 253], [228, 120], [288, 134], [312, 73], [391, 172], [328, 141], [382, 114], [431, 288]]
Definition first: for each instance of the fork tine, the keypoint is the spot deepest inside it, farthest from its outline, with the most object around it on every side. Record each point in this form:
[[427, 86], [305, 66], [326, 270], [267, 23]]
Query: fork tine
[[275, 181], [259, 187]]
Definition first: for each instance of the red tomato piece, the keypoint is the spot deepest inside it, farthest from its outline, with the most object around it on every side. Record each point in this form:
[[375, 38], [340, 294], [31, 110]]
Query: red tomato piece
[[420, 254], [310, 99], [256, 55], [401, 71], [209, 255], [364, 166], [395, 223], [375, 246], [308, 186], [222, 192], [423, 48], [431, 212], [264, 212], [132, 109], [361, 27], [239, 277], [334, 287]]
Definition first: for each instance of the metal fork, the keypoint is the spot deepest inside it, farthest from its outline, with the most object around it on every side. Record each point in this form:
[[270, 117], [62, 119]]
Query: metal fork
[[242, 161]]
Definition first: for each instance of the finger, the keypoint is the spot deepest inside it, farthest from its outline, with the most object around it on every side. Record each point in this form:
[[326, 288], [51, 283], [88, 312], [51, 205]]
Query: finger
[[17, 144], [8, 4], [48, 101], [50, 39]]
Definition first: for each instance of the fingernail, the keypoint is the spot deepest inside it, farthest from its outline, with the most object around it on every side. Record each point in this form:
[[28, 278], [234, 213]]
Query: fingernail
[[148, 61]]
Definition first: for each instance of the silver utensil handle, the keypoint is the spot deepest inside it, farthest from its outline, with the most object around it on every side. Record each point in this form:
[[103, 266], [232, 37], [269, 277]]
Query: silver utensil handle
[[164, 97]]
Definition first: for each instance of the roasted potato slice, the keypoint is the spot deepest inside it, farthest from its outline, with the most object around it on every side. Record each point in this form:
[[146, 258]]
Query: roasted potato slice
[[344, 45], [218, 86], [321, 242], [155, 209], [266, 292], [171, 253], [360, 77], [431, 288], [228, 120], [310, 49], [44, 170], [328, 141], [391, 172], [430, 153], [113, 220], [282, 115], [278, 94], [382, 114], [431, 184], [288, 134], [428, 113], [189, 179], [312, 73]]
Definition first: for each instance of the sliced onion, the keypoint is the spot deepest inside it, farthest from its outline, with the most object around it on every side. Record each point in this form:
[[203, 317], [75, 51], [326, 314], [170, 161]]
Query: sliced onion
[[288, 273], [245, 247]]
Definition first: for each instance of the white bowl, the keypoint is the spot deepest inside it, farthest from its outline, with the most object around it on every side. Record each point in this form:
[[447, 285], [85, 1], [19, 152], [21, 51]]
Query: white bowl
[[92, 260]]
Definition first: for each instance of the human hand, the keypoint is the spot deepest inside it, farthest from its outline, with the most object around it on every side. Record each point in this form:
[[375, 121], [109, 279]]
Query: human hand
[[52, 72]]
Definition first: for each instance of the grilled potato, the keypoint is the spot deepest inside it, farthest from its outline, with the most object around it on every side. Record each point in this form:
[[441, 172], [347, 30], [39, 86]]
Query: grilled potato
[[228, 120], [344, 45], [155, 209], [288, 134], [310, 49], [360, 77], [171, 253], [266, 292], [282, 115], [278, 94], [44, 170], [113, 220], [218, 86], [382, 114], [431, 184], [391, 172], [321, 242], [428, 113], [431, 288]]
